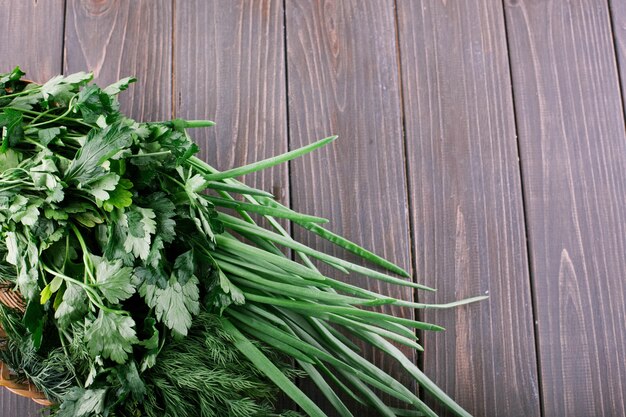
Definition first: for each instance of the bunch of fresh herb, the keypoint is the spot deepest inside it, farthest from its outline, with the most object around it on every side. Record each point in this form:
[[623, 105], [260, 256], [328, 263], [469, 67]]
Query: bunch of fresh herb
[[127, 264]]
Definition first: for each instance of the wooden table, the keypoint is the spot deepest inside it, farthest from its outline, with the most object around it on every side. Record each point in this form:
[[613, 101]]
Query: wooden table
[[482, 146]]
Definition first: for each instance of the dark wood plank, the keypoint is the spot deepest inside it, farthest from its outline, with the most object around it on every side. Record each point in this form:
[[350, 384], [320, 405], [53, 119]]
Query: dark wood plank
[[343, 79], [229, 67], [118, 39], [14, 405], [573, 149], [33, 39], [467, 204]]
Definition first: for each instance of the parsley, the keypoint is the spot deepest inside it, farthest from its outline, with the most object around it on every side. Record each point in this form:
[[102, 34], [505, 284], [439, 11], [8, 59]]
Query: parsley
[[113, 279], [111, 336], [175, 304]]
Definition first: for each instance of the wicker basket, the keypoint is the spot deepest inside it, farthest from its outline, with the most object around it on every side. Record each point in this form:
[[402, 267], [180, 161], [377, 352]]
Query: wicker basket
[[12, 299]]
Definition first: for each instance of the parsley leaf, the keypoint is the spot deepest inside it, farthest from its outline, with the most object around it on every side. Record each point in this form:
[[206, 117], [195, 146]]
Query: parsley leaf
[[165, 211], [184, 267], [141, 225], [79, 402], [73, 306], [151, 343], [93, 103], [48, 135], [175, 304], [111, 335], [119, 86], [120, 197], [131, 381], [101, 187], [60, 89], [101, 145], [114, 243], [12, 131], [113, 279]]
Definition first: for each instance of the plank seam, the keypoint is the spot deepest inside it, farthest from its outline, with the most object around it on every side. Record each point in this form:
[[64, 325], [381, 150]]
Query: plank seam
[[292, 255], [533, 297], [618, 65], [173, 62], [412, 261], [63, 52]]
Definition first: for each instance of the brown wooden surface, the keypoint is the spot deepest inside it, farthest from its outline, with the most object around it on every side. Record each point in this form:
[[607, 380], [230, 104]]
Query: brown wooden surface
[[230, 67], [120, 39], [573, 155], [466, 201], [440, 106], [32, 38]]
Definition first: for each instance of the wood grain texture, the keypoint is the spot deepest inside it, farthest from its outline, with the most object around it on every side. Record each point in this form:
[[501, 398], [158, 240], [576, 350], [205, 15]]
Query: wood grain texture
[[467, 204], [116, 39], [573, 149], [229, 67], [32, 38], [343, 79]]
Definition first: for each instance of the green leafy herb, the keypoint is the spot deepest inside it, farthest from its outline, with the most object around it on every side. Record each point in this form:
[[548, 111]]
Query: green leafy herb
[[111, 336]]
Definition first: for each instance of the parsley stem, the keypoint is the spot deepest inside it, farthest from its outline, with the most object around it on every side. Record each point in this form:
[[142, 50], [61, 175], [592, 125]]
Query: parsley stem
[[33, 142], [86, 257], [40, 115], [270, 162], [91, 294], [201, 166], [10, 187], [36, 113], [173, 179], [62, 116], [65, 277], [21, 93], [67, 252]]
